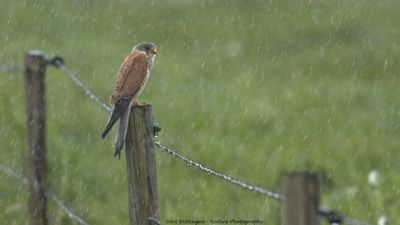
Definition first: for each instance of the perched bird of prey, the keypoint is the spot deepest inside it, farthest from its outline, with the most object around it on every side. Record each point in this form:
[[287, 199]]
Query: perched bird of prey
[[130, 81]]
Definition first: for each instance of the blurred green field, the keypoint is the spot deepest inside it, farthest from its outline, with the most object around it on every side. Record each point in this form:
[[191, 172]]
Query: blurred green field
[[254, 89]]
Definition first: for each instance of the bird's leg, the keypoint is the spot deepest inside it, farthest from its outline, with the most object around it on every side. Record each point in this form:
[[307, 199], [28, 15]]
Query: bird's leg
[[137, 103]]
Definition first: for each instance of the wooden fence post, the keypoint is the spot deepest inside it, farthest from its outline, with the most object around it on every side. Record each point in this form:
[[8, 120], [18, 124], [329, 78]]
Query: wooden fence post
[[301, 202], [141, 167], [35, 69]]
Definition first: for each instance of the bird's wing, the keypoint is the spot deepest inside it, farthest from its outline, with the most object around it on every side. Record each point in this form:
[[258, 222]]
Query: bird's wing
[[130, 76]]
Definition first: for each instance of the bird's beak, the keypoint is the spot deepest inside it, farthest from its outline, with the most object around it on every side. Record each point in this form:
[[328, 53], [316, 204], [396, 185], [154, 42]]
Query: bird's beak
[[154, 51]]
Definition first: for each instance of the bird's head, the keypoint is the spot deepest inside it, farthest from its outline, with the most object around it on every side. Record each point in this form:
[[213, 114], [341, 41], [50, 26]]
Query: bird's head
[[147, 47]]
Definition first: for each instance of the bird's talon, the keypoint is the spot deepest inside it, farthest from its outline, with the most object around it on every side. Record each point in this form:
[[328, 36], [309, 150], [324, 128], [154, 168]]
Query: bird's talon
[[137, 103]]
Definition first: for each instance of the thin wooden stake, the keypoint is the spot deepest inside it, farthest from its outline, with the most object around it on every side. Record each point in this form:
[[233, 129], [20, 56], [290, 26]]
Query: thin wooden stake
[[141, 167], [301, 202], [35, 69]]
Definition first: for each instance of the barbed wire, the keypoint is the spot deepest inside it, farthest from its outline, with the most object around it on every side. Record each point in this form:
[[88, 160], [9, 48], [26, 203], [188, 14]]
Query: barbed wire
[[11, 173], [6, 68], [332, 216], [68, 212], [59, 63], [225, 177], [352, 221]]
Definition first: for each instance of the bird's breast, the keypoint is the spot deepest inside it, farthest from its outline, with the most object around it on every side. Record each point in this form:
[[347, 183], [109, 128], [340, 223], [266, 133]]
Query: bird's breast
[[144, 82]]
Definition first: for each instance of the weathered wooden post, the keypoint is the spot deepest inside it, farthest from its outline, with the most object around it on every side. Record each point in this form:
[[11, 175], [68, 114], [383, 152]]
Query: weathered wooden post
[[141, 167], [35, 69], [301, 202]]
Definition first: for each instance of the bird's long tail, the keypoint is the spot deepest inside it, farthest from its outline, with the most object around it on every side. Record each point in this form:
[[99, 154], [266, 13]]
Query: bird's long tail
[[119, 109], [123, 128]]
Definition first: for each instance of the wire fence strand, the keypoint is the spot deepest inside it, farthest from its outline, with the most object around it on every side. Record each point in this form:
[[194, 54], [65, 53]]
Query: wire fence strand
[[68, 212], [6, 68], [11, 173], [225, 177], [59, 63], [352, 221], [87, 91]]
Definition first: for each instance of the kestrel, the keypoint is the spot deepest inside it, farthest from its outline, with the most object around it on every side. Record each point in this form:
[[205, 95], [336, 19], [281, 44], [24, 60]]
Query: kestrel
[[131, 78]]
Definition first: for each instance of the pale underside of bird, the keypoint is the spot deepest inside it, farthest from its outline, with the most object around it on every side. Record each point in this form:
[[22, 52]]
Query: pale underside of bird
[[131, 78]]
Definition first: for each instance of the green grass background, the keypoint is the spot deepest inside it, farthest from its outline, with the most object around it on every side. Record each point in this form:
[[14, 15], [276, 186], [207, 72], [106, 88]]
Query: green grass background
[[254, 89]]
